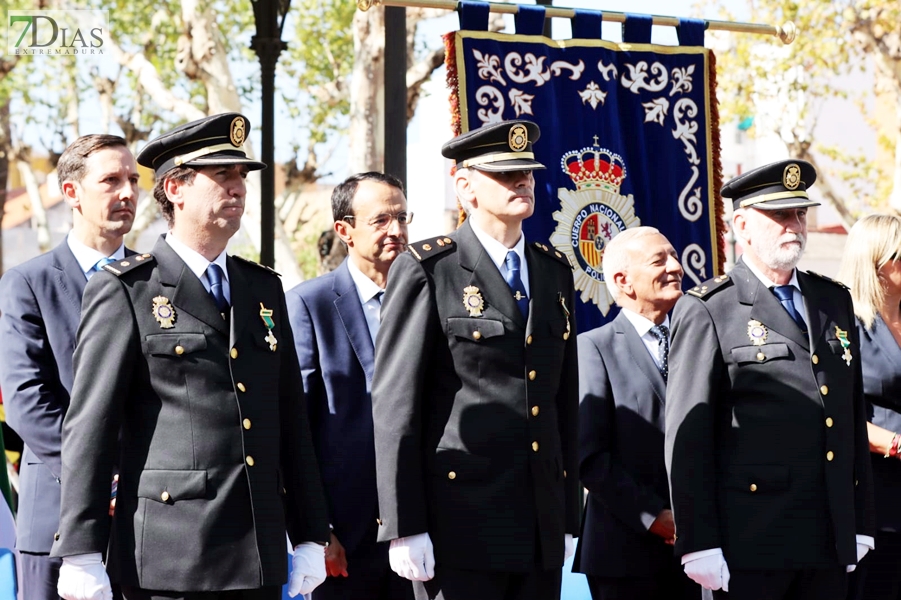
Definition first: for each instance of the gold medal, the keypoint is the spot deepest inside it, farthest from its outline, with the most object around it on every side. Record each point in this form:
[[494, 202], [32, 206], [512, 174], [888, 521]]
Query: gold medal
[[473, 301], [163, 312], [757, 332]]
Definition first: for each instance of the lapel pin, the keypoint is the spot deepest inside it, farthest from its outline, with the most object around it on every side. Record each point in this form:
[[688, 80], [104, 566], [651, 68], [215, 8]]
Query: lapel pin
[[473, 301], [266, 315], [163, 312]]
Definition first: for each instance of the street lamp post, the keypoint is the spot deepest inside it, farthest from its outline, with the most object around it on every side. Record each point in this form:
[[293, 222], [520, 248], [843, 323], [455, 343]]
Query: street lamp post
[[267, 43]]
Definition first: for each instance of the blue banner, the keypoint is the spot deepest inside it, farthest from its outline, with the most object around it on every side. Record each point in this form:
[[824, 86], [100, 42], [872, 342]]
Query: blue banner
[[628, 135]]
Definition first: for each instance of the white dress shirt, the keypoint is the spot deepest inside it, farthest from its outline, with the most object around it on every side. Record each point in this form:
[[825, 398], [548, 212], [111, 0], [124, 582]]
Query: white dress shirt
[[498, 254], [643, 327], [87, 257], [369, 294], [198, 264], [797, 298]]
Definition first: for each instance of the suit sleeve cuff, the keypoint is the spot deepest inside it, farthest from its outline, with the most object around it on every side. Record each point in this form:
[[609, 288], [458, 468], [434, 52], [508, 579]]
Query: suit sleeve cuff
[[687, 558], [647, 519], [867, 541]]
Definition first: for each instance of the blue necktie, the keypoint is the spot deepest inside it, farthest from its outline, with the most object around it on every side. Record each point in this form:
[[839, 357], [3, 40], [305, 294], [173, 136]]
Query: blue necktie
[[98, 266], [515, 282], [214, 275], [785, 294], [661, 332]]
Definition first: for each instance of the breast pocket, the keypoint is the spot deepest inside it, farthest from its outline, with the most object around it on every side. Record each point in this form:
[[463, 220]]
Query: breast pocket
[[474, 330], [176, 345], [760, 354]]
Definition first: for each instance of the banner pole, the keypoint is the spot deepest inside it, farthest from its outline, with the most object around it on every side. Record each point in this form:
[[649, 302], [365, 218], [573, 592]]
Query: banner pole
[[785, 32]]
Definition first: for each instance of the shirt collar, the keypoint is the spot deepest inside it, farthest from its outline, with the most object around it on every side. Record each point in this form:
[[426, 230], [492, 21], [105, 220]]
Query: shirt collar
[[641, 324], [496, 250], [86, 256], [767, 281], [366, 288], [195, 261]]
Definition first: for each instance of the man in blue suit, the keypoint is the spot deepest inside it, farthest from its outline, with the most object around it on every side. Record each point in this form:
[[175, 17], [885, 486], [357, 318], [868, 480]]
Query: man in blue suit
[[626, 543], [335, 319], [40, 302]]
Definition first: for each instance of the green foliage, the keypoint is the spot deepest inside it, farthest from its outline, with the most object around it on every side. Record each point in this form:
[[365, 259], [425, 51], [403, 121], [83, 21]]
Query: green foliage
[[318, 63], [785, 87], [307, 253]]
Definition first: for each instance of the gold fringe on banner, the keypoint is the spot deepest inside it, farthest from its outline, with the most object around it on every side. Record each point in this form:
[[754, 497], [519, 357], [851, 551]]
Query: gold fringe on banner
[[717, 164]]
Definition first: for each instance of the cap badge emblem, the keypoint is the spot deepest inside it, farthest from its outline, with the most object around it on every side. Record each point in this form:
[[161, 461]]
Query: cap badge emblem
[[238, 132], [518, 138], [757, 332], [473, 301], [791, 177], [163, 312]]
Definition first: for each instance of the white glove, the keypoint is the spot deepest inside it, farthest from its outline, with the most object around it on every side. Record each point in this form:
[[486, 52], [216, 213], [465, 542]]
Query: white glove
[[568, 547], [710, 572], [83, 577], [862, 550], [413, 557], [307, 568]]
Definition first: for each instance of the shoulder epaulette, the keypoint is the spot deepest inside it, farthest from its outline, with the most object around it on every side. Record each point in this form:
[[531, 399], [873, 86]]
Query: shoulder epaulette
[[256, 264], [553, 253], [431, 247], [707, 289], [829, 279], [129, 263]]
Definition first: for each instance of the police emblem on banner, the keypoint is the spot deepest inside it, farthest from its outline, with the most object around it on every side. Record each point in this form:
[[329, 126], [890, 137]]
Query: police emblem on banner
[[591, 216]]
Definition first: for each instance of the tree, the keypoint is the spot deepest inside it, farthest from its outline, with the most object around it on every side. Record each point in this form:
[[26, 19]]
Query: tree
[[785, 88], [178, 61]]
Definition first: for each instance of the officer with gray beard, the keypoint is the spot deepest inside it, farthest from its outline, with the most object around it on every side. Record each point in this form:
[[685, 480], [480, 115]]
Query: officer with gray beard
[[766, 440]]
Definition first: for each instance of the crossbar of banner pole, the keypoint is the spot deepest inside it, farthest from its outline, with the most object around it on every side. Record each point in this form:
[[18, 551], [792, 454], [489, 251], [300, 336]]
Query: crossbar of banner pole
[[785, 32]]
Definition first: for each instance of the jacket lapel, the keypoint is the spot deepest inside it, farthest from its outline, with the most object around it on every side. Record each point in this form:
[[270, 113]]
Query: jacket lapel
[[188, 293], [544, 301], [765, 307], [816, 316], [640, 355], [486, 276], [69, 275], [244, 303], [350, 311]]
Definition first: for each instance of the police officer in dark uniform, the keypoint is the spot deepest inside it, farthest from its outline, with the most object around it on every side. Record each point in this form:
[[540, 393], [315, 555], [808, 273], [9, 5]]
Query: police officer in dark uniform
[[766, 440], [188, 353], [475, 393]]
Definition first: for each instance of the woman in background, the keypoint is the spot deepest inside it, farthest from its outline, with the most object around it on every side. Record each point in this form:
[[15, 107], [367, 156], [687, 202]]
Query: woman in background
[[871, 267]]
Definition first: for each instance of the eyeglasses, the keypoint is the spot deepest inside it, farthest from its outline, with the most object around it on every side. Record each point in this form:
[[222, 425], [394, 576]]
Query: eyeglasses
[[383, 221]]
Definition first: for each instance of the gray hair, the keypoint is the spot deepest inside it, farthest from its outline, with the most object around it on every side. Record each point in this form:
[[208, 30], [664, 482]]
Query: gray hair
[[616, 255]]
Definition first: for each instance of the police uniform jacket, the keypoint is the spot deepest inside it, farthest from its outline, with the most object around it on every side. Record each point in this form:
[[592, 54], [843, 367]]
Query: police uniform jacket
[[475, 415], [766, 445], [216, 461]]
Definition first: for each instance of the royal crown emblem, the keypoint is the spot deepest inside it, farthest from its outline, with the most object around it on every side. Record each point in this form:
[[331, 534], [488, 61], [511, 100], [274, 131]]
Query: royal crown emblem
[[594, 167], [591, 216]]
